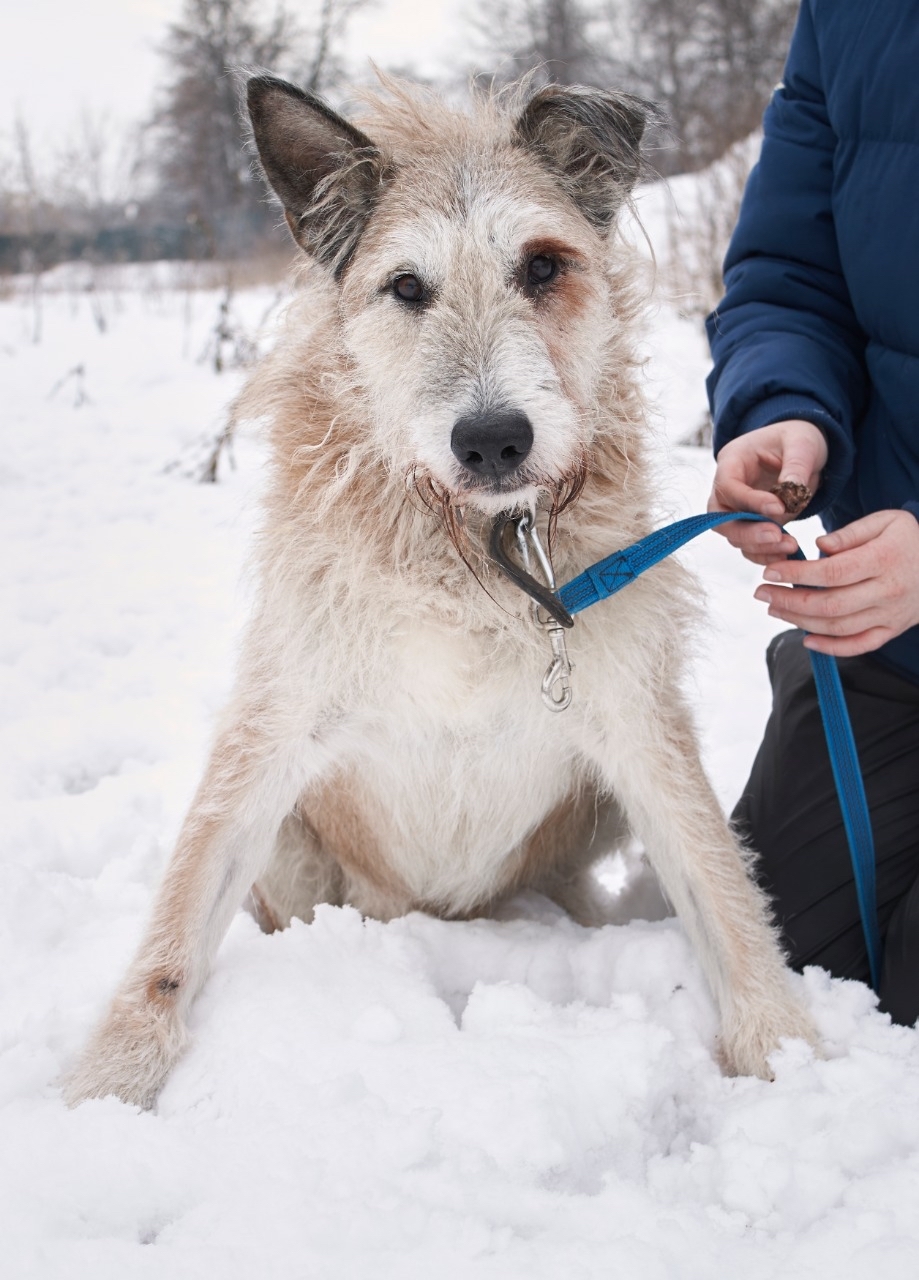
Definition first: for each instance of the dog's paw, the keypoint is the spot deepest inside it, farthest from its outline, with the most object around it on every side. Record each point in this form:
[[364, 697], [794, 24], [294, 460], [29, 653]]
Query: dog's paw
[[749, 1039], [129, 1055]]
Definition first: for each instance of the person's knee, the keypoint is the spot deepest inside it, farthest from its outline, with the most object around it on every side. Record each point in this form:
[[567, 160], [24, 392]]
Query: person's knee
[[899, 986], [786, 656]]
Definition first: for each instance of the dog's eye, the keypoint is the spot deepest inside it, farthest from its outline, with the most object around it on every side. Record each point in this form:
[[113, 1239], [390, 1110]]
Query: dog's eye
[[408, 288], [541, 270]]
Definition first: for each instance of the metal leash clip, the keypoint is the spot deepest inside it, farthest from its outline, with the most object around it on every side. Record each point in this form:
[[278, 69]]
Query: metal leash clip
[[556, 683]]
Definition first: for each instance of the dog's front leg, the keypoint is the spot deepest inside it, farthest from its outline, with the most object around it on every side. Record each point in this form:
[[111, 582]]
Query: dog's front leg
[[657, 775], [252, 780]]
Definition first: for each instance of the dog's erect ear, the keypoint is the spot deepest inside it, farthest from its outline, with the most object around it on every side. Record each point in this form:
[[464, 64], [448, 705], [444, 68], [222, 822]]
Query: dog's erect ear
[[590, 140], [326, 173]]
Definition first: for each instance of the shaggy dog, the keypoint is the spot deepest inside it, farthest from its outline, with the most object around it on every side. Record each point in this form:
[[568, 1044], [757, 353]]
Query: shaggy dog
[[462, 351]]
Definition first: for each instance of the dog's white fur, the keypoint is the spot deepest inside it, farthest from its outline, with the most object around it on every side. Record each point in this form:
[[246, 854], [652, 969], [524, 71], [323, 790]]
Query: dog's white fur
[[386, 744]]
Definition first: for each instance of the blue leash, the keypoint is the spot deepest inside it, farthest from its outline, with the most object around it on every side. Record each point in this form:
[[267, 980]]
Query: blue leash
[[610, 575]]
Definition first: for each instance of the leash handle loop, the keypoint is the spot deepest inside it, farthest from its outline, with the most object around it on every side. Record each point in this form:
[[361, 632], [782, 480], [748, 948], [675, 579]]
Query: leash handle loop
[[608, 576]]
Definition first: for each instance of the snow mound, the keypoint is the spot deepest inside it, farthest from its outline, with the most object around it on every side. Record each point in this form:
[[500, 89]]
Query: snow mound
[[513, 1098]]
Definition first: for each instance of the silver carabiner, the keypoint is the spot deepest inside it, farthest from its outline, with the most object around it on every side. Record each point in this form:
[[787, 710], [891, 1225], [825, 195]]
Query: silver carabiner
[[558, 674]]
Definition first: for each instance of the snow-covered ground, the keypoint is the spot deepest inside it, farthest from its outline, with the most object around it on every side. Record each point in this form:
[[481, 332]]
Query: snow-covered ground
[[522, 1098]]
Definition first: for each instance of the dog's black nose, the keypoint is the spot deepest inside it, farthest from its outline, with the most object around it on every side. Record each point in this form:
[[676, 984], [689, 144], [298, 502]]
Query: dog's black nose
[[492, 444]]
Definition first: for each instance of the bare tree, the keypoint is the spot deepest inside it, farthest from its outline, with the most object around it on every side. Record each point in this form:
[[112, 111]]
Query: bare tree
[[94, 163], [32, 209], [324, 70], [711, 63], [699, 223], [199, 157], [199, 153], [550, 38]]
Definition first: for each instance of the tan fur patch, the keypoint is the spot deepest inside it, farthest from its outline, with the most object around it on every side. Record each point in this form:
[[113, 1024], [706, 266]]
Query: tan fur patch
[[338, 815]]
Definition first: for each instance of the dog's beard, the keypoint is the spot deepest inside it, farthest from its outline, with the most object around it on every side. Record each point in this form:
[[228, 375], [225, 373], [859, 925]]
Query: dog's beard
[[456, 508]]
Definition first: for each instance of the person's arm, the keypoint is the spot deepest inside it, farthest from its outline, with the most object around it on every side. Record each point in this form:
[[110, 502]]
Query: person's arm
[[787, 348], [789, 384]]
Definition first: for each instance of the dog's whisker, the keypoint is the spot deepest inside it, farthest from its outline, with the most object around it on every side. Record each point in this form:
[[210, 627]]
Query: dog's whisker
[[439, 501]]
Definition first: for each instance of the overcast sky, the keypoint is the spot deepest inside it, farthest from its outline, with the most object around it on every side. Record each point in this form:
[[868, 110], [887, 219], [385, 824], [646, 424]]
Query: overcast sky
[[59, 56]]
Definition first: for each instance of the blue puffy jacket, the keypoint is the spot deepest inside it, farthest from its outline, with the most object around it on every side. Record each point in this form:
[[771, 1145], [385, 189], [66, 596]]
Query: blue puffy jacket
[[820, 318]]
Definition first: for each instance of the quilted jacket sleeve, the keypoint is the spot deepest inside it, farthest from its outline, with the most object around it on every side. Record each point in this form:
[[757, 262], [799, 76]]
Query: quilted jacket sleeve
[[785, 341]]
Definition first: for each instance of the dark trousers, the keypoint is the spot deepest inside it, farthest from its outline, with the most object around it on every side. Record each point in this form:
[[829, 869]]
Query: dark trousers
[[789, 812]]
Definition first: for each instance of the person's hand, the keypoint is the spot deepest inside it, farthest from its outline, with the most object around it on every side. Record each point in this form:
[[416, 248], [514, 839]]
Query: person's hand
[[749, 467], [869, 581]]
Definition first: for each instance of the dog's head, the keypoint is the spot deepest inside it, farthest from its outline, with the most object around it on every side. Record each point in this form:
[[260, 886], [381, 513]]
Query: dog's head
[[471, 261]]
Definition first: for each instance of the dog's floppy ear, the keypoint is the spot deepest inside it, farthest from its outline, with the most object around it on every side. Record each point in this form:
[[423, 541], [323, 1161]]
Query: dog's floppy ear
[[326, 173], [590, 140]]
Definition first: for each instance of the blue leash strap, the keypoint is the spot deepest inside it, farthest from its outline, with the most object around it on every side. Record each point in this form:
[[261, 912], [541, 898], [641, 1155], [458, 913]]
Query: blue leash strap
[[852, 799], [608, 576]]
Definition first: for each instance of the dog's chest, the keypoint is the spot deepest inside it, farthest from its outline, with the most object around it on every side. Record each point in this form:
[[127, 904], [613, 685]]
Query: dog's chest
[[456, 764], [443, 672], [446, 689]]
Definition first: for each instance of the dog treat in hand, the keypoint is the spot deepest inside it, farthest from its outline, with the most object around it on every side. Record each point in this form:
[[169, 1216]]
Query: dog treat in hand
[[794, 496]]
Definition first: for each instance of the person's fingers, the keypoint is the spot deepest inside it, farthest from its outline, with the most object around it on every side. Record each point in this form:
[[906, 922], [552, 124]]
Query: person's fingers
[[844, 611], [857, 533], [751, 535], [802, 460], [764, 561], [762, 544], [850, 646], [843, 570], [749, 468], [864, 592], [732, 491], [753, 464]]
